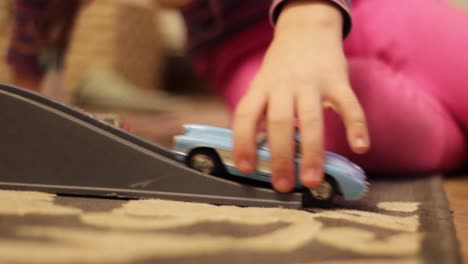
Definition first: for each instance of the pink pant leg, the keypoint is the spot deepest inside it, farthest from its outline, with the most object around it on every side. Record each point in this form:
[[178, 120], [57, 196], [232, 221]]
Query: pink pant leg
[[411, 132], [425, 40], [444, 58], [424, 45]]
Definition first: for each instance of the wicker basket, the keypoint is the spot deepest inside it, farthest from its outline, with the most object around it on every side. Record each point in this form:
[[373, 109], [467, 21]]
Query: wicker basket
[[119, 37], [5, 32]]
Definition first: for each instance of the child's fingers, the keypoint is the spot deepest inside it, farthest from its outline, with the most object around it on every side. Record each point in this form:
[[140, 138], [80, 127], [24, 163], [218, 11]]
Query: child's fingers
[[309, 109], [246, 117], [349, 108], [280, 122]]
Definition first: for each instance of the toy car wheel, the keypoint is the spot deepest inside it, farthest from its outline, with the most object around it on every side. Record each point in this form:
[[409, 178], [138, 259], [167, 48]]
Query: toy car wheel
[[321, 196], [205, 161]]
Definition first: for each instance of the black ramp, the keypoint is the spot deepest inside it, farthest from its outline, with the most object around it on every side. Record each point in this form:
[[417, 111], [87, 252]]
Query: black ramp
[[47, 146]]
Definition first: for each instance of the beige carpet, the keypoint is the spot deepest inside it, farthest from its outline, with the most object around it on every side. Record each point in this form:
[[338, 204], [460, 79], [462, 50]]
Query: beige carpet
[[399, 222]]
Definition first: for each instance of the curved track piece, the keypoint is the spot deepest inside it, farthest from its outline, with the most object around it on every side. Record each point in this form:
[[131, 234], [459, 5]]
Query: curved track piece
[[51, 147]]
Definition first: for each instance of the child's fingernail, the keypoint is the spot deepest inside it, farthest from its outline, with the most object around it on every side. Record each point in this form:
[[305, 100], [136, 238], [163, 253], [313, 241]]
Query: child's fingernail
[[360, 143], [245, 165], [282, 184], [311, 176]]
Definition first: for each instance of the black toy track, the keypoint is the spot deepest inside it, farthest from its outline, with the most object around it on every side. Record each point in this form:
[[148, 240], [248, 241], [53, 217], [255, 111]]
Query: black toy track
[[51, 147]]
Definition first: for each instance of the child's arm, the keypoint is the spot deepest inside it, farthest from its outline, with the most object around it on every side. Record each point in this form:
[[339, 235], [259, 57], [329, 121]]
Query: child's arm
[[304, 68]]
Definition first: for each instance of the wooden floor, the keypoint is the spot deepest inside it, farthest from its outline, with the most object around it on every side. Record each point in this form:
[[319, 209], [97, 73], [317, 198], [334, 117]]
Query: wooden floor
[[457, 192]]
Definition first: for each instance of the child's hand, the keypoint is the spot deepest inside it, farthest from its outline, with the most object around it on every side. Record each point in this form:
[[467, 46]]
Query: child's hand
[[304, 68]]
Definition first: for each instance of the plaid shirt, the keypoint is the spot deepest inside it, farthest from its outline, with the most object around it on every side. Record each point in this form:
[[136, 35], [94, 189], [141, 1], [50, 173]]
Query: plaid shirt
[[32, 48], [208, 21]]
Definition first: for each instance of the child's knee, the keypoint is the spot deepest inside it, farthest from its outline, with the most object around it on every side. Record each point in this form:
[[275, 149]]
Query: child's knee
[[410, 130]]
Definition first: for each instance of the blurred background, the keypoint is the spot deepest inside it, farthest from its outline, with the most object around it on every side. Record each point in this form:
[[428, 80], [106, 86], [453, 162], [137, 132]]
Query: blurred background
[[125, 57]]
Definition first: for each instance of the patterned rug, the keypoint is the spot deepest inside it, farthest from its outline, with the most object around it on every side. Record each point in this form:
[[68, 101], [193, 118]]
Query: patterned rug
[[398, 222]]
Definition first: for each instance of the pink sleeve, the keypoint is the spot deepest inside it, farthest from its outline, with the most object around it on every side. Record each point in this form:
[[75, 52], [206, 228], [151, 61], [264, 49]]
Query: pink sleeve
[[344, 5]]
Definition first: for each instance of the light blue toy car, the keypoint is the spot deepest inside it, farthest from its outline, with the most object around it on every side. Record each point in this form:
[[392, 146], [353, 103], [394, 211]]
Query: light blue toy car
[[208, 149]]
